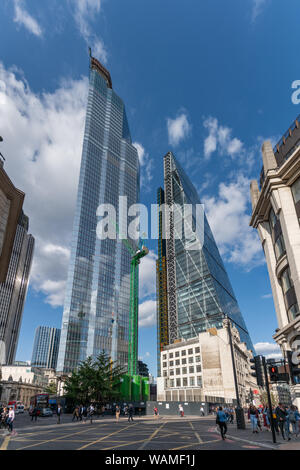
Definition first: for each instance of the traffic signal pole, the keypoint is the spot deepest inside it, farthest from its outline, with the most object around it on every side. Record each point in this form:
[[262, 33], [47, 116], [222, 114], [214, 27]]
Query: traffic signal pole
[[269, 399]]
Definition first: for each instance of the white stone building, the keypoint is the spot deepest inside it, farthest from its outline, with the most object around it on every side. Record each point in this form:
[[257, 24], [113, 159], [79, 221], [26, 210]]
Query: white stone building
[[276, 216], [201, 370]]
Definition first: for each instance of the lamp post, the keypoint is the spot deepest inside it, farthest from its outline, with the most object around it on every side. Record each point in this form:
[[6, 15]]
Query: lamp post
[[240, 418]]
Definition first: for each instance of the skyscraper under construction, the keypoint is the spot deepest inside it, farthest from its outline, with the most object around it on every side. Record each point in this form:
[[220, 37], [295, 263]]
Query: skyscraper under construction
[[193, 289]]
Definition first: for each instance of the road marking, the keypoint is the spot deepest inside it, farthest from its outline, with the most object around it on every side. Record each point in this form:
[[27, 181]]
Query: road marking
[[108, 435], [57, 439], [260, 444], [152, 436], [195, 444], [5, 443], [196, 434], [135, 442]]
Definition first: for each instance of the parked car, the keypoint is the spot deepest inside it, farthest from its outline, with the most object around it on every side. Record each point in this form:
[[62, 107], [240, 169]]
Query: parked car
[[46, 412]]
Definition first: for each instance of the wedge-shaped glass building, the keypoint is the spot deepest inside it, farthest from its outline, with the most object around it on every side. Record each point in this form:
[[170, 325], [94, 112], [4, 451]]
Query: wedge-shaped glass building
[[197, 293], [96, 309]]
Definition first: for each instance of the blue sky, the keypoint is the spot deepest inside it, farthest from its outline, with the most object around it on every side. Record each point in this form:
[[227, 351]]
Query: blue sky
[[209, 80]]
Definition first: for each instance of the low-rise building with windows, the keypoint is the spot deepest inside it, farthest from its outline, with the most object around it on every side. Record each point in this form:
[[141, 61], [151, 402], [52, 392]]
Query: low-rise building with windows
[[201, 369]]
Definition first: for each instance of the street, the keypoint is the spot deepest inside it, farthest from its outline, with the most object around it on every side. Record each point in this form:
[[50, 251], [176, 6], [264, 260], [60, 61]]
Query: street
[[146, 433]]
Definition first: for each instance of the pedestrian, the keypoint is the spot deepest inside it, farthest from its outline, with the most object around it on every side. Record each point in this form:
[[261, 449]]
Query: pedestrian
[[58, 412], [117, 413], [281, 418], [181, 411], [231, 415], [34, 413], [4, 416], [221, 420], [75, 413], [155, 409], [130, 413], [266, 418], [91, 411], [202, 411], [10, 419], [252, 416]]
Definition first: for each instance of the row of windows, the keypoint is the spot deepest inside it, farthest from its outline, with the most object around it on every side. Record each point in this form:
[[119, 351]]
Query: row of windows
[[185, 382], [191, 360], [183, 371], [183, 353]]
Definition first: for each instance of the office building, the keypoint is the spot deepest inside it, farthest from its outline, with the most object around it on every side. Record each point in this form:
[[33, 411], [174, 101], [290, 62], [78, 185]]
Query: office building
[[200, 369], [45, 348], [194, 292], [96, 309], [14, 290]]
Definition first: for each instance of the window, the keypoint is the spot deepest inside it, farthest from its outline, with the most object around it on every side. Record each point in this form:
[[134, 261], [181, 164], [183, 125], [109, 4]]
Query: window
[[178, 382], [197, 350], [286, 281], [183, 361], [191, 369], [199, 381], [172, 383], [164, 364], [183, 352], [172, 372], [177, 371], [177, 362], [198, 368], [289, 294], [277, 237], [191, 360], [197, 359], [190, 351], [171, 356], [184, 370], [171, 363], [192, 381], [184, 382], [165, 373], [177, 354], [164, 356]]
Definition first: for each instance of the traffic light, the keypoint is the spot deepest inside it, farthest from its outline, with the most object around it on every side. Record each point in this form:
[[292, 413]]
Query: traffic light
[[293, 367], [273, 373], [257, 367]]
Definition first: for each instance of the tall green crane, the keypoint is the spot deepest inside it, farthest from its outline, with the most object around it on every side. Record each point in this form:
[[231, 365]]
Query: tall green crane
[[134, 309]]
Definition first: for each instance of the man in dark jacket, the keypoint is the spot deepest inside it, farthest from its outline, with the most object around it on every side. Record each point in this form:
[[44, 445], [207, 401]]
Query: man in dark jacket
[[281, 418]]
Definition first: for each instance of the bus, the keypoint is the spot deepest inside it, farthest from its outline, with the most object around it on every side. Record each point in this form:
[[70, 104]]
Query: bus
[[40, 401]]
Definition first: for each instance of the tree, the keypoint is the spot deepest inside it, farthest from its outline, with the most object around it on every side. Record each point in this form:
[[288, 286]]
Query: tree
[[264, 399], [95, 381], [51, 388]]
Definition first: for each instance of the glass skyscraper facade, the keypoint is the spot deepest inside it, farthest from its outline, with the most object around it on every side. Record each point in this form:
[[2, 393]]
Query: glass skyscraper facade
[[14, 290], [45, 347], [96, 309], [199, 293]]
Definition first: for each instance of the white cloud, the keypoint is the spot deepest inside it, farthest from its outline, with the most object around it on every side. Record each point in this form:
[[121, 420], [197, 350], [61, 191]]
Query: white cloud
[[219, 139], [84, 13], [270, 350], [178, 129], [228, 216], [147, 314], [266, 296], [43, 136], [146, 166], [22, 17], [257, 8]]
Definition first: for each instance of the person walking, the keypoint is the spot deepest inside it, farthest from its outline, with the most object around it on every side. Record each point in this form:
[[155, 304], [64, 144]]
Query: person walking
[[117, 413], [130, 413], [221, 421], [155, 409], [202, 411], [10, 419], [281, 418], [252, 416], [91, 411], [34, 413], [58, 412], [181, 411]]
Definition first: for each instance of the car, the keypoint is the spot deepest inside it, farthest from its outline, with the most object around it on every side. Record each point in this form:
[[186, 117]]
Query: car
[[20, 409], [46, 412]]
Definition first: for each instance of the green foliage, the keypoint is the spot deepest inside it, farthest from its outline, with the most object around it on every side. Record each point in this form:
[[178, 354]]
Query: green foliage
[[51, 389], [264, 398], [94, 381]]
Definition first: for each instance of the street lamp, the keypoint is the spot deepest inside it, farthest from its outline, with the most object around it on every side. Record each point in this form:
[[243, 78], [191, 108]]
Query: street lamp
[[1, 140]]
